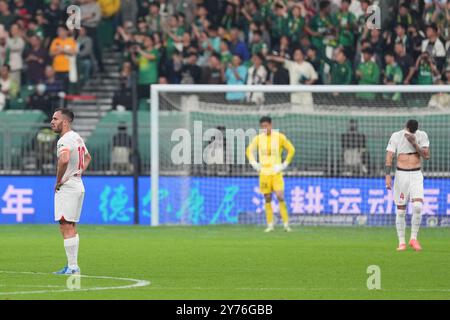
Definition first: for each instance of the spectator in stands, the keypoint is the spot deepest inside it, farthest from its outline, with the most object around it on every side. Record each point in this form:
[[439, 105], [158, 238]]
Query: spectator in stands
[[321, 27], [23, 12], [427, 71], [404, 17], [416, 41], [62, 49], [277, 74], [85, 54], [280, 21], [36, 27], [257, 44], [15, 46], [124, 36], [225, 54], [345, 22], [153, 17], [359, 57], [237, 46], [129, 10], [317, 63], [434, 46], [392, 75], [36, 60], [8, 87], [402, 37], [7, 18], [368, 72], [377, 43], [90, 19], [300, 72], [236, 73], [257, 75], [191, 73], [146, 57], [53, 85], [173, 35], [283, 48], [214, 72], [42, 100], [54, 16], [341, 68], [296, 23], [405, 61]]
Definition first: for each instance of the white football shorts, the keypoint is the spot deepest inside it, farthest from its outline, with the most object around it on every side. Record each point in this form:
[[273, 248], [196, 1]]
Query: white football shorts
[[408, 185], [69, 201]]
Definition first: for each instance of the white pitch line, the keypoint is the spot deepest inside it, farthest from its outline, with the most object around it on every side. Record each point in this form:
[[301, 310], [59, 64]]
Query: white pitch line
[[137, 283], [301, 289]]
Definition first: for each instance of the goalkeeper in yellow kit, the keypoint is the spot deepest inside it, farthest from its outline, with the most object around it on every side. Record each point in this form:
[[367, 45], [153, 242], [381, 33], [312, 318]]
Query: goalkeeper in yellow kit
[[270, 144]]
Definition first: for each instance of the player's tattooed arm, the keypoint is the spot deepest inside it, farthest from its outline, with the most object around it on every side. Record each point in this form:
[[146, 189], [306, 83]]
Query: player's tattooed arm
[[387, 170], [388, 167]]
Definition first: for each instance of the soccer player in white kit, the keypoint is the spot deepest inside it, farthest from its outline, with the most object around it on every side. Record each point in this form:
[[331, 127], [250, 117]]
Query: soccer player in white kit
[[73, 159], [409, 145]]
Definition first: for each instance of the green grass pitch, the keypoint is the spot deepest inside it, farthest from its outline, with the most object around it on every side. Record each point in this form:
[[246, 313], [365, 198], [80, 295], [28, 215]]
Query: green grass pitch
[[224, 262]]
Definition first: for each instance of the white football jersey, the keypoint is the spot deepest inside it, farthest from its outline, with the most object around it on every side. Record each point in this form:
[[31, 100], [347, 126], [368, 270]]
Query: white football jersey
[[399, 144], [72, 142]]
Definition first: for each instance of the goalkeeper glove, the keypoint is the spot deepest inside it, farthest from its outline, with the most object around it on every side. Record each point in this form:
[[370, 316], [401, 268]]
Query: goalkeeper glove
[[280, 167], [256, 166]]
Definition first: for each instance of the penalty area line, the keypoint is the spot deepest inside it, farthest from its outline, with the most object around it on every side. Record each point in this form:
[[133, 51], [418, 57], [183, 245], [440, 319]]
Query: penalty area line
[[136, 283]]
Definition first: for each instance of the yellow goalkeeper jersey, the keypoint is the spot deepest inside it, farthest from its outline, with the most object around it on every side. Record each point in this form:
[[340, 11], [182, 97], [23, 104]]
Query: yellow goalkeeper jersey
[[270, 148]]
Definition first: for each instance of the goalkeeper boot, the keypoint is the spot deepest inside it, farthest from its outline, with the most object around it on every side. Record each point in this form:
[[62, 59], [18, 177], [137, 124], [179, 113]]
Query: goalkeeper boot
[[68, 271], [287, 228], [413, 243], [270, 228], [401, 247]]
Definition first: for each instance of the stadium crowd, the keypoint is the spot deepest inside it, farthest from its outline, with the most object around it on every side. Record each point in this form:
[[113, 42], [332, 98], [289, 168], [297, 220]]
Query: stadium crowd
[[220, 41]]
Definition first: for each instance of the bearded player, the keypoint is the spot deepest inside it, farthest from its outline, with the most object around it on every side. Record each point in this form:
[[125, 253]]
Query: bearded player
[[73, 159], [410, 145], [270, 144]]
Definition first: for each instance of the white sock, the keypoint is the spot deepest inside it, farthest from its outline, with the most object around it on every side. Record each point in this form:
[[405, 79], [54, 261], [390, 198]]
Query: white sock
[[286, 225], [416, 219], [71, 246], [400, 223]]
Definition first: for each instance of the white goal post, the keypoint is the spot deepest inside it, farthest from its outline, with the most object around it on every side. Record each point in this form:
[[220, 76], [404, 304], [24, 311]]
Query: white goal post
[[157, 90]]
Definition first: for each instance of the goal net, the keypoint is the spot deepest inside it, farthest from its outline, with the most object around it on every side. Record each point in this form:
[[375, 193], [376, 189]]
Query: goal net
[[199, 133]]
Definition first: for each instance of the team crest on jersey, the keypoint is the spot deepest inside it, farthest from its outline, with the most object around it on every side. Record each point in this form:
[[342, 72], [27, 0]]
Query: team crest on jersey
[[402, 196]]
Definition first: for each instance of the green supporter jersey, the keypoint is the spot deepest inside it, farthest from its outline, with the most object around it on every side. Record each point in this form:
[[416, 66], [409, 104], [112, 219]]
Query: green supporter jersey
[[394, 73], [171, 43], [148, 69], [296, 27], [321, 25], [341, 73], [370, 74], [280, 25], [425, 75], [258, 47], [345, 22], [266, 10], [226, 57]]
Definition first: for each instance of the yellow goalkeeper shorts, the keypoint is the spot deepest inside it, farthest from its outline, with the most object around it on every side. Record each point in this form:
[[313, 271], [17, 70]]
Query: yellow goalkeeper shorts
[[271, 183]]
